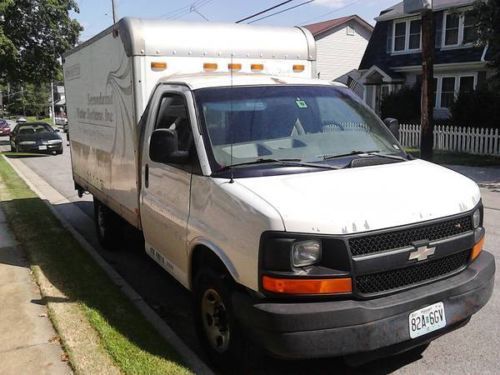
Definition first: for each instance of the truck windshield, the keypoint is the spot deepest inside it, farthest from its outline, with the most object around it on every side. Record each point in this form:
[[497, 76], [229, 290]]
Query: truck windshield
[[306, 123]]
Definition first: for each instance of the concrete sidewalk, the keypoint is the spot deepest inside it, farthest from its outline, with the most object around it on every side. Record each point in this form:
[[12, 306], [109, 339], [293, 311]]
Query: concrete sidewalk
[[28, 341]]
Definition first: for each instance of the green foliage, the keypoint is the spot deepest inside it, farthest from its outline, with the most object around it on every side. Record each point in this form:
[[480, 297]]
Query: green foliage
[[34, 34], [403, 105], [487, 14], [32, 100], [480, 108]]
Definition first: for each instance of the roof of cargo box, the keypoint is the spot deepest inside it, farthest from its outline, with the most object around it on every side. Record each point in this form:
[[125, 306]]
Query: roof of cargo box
[[203, 80], [152, 37]]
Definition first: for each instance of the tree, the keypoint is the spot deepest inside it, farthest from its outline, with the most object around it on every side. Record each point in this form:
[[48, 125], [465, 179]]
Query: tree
[[34, 34], [30, 100], [487, 14]]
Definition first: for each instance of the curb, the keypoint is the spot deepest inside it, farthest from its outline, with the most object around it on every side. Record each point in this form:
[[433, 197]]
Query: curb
[[189, 357]]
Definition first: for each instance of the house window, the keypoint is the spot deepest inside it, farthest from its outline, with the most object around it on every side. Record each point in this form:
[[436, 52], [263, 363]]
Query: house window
[[470, 29], [448, 87], [350, 30], [414, 42], [399, 36], [447, 92], [459, 29], [466, 84], [407, 35], [451, 29]]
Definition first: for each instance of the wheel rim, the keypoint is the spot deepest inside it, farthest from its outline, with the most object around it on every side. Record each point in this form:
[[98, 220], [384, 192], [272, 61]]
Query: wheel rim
[[100, 220], [214, 316]]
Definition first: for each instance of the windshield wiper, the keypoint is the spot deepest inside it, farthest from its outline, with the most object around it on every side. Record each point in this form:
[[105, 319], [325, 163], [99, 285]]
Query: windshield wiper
[[283, 162], [354, 152], [369, 153]]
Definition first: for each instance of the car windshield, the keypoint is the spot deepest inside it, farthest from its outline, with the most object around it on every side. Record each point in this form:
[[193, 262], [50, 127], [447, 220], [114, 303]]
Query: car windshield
[[307, 123], [35, 129]]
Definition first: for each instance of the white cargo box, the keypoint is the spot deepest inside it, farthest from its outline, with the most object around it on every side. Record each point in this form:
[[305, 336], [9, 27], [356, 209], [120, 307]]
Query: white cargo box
[[110, 77]]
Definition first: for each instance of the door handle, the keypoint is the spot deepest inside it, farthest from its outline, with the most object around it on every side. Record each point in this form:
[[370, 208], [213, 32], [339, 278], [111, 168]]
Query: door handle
[[146, 176]]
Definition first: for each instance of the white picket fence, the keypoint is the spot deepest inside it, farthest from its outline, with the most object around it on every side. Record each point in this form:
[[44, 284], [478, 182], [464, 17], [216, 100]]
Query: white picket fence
[[455, 138]]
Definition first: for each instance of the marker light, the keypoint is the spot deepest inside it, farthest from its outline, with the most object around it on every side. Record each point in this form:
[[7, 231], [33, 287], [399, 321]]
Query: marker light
[[298, 68], [158, 66], [210, 67], [257, 67], [476, 250], [234, 67], [307, 286]]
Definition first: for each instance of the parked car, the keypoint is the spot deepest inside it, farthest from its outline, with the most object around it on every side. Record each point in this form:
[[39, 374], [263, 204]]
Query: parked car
[[61, 121], [35, 137], [4, 128], [21, 120]]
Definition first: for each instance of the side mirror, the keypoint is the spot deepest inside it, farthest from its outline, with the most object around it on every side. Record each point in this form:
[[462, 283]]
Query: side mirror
[[164, 147], [57, 130], [393, 125]]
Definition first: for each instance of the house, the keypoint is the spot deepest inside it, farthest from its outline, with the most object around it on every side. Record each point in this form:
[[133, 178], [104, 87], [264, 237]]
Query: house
[[340, 44], [393, 56]]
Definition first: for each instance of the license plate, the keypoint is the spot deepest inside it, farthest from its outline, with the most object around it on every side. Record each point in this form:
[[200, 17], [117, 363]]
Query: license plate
[[42, 147], [427, 320]]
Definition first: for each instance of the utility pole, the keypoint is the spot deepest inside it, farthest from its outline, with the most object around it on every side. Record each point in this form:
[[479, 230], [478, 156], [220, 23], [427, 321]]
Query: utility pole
[[114, 11], [427, 102], [52, 104], [424, 7]]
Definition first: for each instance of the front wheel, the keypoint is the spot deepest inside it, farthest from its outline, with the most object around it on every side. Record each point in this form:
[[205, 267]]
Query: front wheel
[[108, 225], [216, 325]]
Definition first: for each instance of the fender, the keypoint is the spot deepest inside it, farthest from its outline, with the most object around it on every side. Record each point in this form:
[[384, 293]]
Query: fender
[[200, 241]]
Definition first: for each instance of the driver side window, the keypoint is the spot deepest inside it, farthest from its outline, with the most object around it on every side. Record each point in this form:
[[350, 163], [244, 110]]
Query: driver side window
[[173, 115]]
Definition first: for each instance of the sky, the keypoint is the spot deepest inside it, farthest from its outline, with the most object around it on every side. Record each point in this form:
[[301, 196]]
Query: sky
[[96, 15]]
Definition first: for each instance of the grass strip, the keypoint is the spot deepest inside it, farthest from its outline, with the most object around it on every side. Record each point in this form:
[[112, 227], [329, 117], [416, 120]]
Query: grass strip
[[459, 158], [130, 340]]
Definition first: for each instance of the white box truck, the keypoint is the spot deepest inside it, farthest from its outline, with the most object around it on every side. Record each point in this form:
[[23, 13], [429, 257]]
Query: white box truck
[[281, 201]]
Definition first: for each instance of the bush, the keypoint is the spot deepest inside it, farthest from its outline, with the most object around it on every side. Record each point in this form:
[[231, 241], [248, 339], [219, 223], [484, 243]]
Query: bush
[[403, 105], [479, 109]]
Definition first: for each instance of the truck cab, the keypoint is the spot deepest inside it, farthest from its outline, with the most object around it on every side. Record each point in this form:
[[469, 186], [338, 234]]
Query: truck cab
[[297, 220]]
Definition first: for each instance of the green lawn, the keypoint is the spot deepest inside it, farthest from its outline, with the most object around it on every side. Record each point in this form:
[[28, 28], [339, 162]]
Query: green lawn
[[130, 340]]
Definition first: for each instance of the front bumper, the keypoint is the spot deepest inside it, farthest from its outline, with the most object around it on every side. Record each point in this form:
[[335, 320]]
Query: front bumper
[[343, 327], [57, 147]]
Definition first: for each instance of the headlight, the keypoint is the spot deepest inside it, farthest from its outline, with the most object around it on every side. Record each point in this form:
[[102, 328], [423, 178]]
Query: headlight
[[476, 218], [27, 143], [306, 253], [54, 141]]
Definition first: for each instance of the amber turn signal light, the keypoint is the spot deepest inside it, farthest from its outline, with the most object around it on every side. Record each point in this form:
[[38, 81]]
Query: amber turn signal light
[[234, 67], [210, 67], [257, 67], [307, 286], [155, 65], [298, 68], [476, 250]]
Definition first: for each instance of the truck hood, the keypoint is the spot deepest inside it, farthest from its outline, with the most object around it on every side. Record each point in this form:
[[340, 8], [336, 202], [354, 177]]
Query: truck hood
[[367, 198]]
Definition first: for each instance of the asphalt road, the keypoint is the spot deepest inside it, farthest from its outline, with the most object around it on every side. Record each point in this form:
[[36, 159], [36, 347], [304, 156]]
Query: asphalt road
[[473, 349]]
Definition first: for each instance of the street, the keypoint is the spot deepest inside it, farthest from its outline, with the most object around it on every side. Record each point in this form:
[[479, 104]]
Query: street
[[472, 349]]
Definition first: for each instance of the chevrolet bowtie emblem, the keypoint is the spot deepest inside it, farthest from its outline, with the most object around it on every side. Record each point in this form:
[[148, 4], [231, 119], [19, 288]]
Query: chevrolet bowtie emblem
[[422, 253]]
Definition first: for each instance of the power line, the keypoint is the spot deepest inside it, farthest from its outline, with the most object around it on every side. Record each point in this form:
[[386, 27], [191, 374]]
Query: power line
[[330, 12], [282, 11], [194, 7], [264, 11]]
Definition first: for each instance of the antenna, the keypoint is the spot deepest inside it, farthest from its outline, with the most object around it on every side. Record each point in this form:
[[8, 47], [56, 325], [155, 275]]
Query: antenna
[[231, 121]]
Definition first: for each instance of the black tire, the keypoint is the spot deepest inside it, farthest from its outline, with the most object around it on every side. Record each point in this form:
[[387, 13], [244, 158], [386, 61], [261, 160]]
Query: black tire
[[108, 226], [219, 333]]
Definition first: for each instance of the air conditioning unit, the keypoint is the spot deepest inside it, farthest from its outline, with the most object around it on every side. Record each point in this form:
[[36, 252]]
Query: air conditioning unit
[[416, 6]]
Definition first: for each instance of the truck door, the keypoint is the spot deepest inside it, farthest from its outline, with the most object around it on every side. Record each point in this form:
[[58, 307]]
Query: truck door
[[166, 186]]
